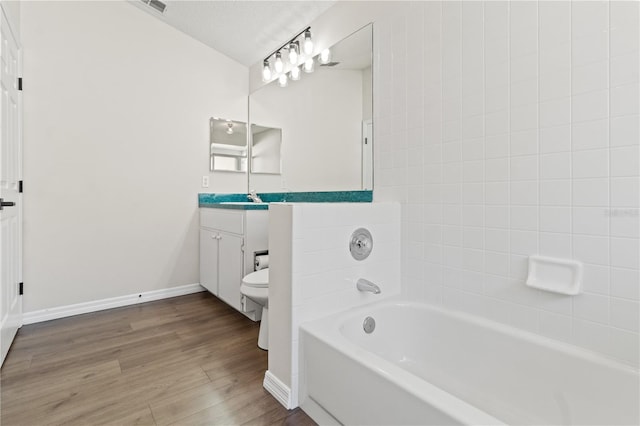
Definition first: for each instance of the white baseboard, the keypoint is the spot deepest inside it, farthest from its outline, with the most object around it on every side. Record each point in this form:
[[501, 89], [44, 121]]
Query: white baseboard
[[279, 390], [113, 302]]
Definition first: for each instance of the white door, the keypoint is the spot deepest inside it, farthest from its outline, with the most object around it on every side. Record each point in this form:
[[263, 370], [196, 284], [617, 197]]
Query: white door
[[209, 259], [230, 269], [367, 154], [10, 175]]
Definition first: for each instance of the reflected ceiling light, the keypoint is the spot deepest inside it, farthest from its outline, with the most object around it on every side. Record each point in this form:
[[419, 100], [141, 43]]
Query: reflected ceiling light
[[283, 80], [295, 73], [308, 65], [325, 56], [307, 46]]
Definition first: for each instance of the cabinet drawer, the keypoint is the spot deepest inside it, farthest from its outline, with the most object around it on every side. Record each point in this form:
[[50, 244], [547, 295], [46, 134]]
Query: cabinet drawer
[[225, 220]]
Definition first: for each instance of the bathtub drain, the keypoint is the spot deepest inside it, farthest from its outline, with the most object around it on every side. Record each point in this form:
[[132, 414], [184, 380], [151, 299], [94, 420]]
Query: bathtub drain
[[369, 325]]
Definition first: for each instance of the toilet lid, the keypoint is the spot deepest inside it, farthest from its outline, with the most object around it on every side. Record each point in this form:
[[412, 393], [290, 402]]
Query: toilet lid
[[257, 279]]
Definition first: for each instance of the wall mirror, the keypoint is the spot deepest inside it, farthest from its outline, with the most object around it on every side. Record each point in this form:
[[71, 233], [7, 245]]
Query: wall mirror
[[227, 145], [324, 123], [265, 149]]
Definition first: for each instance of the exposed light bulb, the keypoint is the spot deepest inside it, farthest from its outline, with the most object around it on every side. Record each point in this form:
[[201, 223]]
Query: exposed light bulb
[[283, 80], [279, 65], [293, 53], [266, 71], [295, 73], [325, 56], [307, 45], [308, 65]]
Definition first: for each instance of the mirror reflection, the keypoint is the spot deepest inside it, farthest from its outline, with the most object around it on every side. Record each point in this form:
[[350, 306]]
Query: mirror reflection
[[265, 149], [324, 121], [227, 145]]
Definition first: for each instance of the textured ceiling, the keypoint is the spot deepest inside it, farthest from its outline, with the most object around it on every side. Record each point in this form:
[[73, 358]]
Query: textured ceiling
[[246, 31]]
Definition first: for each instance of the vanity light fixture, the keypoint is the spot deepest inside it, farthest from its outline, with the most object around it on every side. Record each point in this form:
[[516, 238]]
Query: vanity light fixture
[[295, 73], [308, 65], [229, 128], [279, 65], [295, 58], [266, 71], [293, 53], [283, 80], [325, 56], [308, 43]]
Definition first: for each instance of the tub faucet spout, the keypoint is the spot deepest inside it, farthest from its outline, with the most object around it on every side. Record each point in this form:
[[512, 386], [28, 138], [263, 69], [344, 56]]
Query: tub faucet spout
[[366, 285]]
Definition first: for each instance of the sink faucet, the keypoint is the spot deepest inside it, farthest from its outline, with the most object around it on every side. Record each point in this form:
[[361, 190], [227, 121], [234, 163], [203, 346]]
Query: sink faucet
[[366, 285], [254, 197]]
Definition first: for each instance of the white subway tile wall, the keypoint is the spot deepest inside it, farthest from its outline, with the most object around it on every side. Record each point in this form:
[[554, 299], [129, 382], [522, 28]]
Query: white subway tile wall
[[324, 274], [324, 268], [508, 129]]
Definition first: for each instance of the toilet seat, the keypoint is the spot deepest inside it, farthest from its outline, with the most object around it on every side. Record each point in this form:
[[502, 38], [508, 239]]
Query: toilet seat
[[257, 294], [257, 279]]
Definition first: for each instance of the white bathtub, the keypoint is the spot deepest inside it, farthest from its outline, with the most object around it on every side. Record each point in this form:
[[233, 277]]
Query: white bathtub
[[426, 365]]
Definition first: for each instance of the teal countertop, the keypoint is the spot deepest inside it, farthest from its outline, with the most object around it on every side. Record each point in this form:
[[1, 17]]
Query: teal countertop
[[240, 201]]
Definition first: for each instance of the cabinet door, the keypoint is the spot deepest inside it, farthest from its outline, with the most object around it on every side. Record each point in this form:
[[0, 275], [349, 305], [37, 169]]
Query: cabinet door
[[230, 271], [209, 260]]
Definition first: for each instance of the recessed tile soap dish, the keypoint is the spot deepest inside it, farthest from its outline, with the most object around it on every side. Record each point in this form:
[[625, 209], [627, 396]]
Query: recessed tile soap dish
[[562, 276]]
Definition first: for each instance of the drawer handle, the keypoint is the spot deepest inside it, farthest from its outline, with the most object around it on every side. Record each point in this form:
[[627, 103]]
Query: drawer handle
[[4, 204]]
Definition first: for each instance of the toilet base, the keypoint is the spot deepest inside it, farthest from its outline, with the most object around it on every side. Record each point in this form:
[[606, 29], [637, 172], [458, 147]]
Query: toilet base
[[263, 336]]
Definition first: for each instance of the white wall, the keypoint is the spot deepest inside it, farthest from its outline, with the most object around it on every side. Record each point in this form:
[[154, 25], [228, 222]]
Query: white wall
[[116, 122], [312, 273], [320, 118], [280, 279], [367, 93], [508, 129]]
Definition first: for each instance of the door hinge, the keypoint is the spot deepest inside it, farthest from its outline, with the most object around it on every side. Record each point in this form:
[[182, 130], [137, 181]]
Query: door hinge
[[19, 83], [20, 187], [366, 141], [21, 289]]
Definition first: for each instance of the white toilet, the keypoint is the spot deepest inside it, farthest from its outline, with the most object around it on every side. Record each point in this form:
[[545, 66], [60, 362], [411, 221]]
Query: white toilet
[[255, 286]]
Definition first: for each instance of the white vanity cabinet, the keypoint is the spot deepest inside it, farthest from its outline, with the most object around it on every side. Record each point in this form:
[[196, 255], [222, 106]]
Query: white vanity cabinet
[[229, 238]]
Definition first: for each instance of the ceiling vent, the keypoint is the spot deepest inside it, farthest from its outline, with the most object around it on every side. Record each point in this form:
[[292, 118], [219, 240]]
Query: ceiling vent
[[155, 4]]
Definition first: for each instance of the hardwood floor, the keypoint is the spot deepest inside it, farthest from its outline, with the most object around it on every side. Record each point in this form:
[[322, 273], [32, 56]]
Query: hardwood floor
[[190, 360]]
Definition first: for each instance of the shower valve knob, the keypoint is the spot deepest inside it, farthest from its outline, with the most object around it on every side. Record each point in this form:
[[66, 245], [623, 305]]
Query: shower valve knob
[[361, 244]]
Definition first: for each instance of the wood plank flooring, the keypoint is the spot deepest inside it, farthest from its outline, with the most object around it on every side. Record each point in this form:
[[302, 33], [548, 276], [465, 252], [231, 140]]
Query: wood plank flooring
[[189, 360]]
